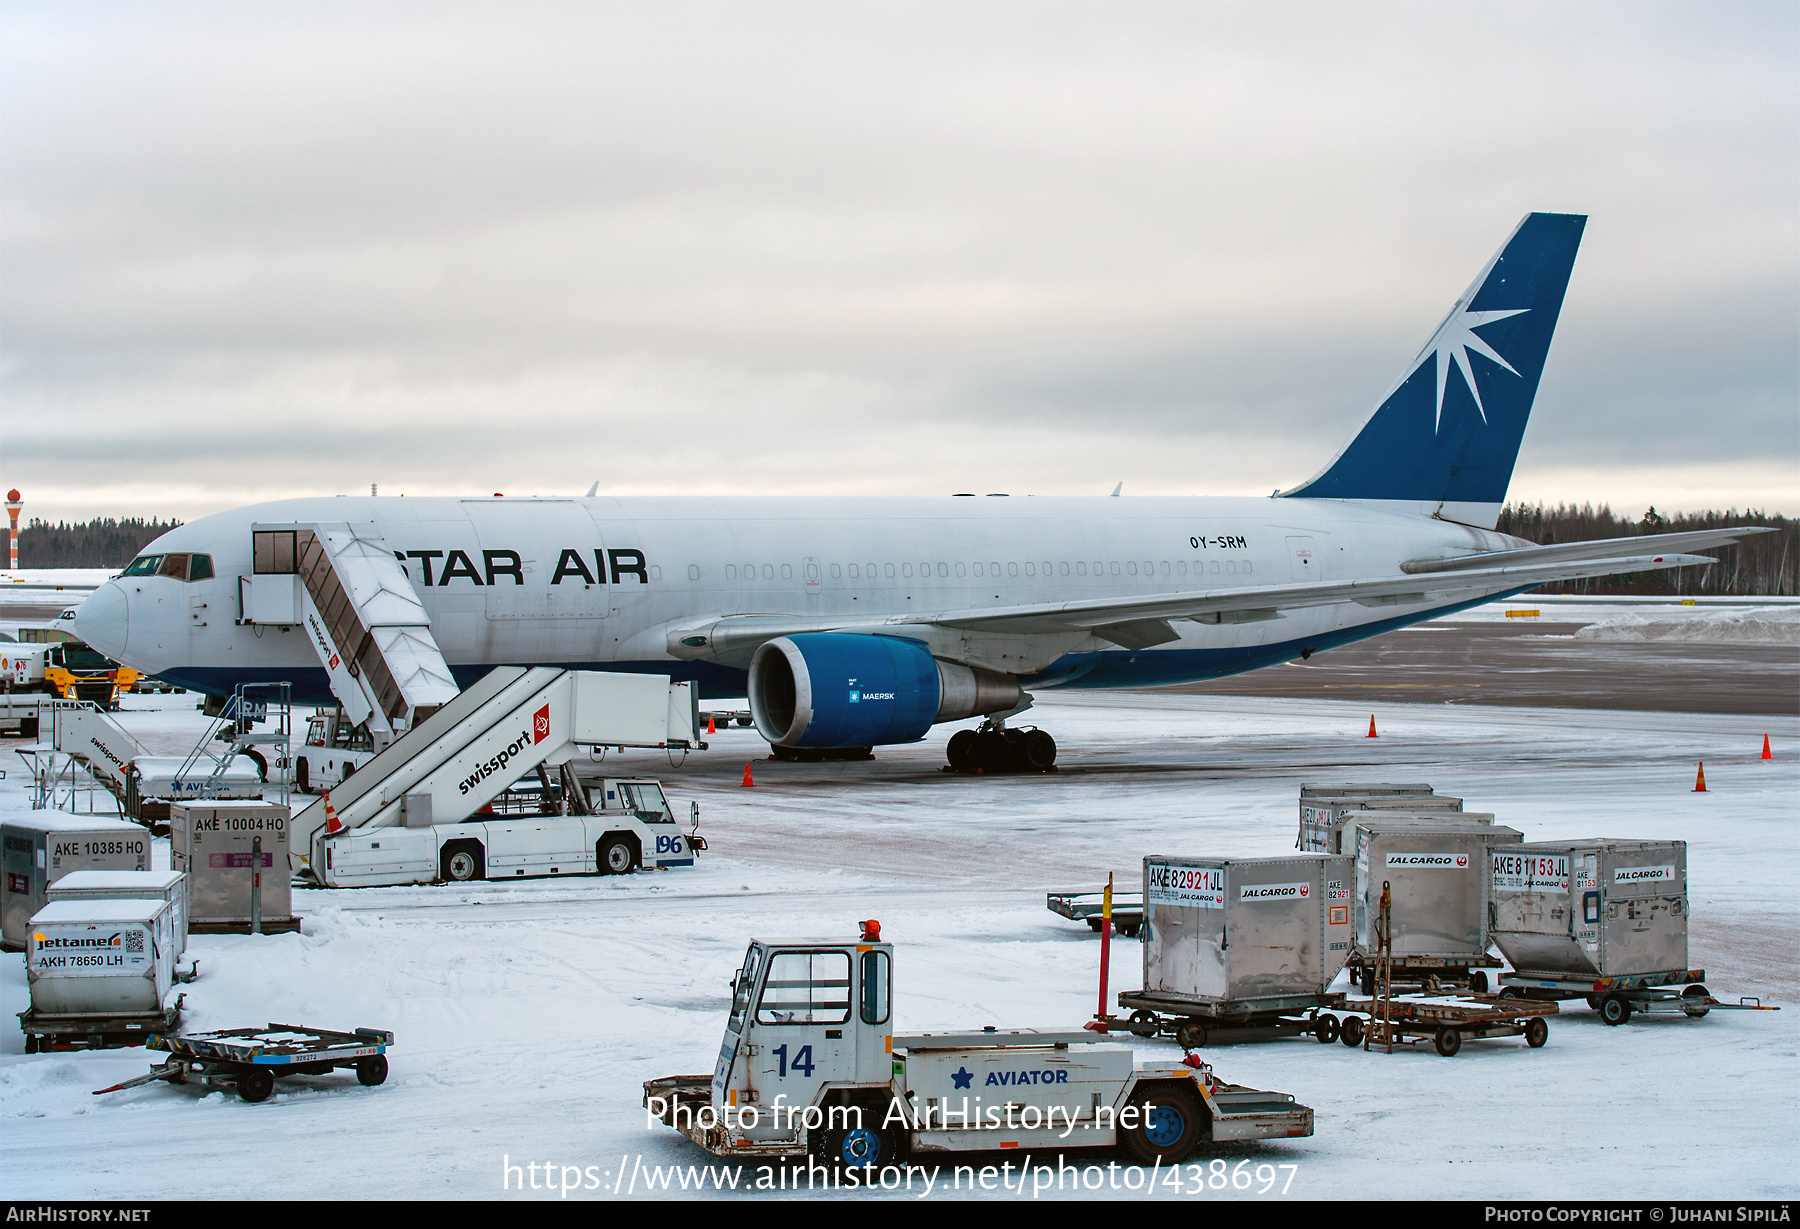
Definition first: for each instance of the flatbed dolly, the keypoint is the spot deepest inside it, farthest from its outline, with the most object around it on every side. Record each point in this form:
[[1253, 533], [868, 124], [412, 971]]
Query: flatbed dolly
[[1127, 909], [1448, 1022], [249, 1059], [1194, 1024], [1674, 992], [44, 1033]]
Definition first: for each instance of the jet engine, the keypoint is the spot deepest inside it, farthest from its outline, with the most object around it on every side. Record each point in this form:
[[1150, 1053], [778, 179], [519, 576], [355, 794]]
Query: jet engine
[[838, 689]]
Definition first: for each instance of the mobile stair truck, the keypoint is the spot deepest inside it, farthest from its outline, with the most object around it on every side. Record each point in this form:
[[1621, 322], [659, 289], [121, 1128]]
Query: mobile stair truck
[[419, 812], [811, 1065]]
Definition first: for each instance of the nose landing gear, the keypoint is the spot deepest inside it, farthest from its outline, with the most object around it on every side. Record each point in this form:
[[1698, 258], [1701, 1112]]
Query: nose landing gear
[[994, 748]]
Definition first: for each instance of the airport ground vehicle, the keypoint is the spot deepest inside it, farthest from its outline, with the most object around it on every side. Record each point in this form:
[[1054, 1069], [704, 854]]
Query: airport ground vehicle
[[68, 670], [334, 750], [811, 1064]]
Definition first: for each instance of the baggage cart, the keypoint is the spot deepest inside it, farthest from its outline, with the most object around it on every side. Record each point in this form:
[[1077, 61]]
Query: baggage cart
[[1447, 1022], [1081, 906], [46, 1032], [1194, 1024], [1677, 992], [250, 1059]]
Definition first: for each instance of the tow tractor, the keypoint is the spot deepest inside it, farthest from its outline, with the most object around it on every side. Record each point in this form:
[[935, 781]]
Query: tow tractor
[[811, 1065]]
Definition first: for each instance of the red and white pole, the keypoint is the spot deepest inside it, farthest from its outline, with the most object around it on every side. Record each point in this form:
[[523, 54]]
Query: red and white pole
[[14, 502]]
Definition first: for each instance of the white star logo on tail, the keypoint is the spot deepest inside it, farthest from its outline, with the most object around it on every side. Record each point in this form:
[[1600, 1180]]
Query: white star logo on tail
[[1453, 341]]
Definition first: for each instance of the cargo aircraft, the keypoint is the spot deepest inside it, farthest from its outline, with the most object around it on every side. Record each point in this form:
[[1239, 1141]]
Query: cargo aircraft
[[852, 623]]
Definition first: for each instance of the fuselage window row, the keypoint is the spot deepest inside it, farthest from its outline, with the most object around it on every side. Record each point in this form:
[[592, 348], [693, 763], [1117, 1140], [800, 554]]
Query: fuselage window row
[[1130, 567]]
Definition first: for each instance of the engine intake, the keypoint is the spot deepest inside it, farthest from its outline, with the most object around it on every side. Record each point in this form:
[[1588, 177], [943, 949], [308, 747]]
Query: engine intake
[[838, 689]]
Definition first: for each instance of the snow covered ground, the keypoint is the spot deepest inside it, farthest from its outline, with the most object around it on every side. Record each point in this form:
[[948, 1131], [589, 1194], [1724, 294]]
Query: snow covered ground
[[527, 1014]]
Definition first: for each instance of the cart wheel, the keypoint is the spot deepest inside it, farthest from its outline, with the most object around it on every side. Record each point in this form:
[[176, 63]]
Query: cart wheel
[[1448, 1041], [1537, 1033], [1478, 982], [1143, 1024], [1095, 923], [372, 1070], [255, 1084], [1350, 1031], [1614, 1010], [1510, 992], [1168, 1126], [1691, 998], [1368, 981], [1191, 1033], [1325, 1028]]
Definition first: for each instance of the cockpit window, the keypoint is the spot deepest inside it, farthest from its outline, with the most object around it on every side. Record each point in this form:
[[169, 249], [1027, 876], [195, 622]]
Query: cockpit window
[[174, 566], [200, 567], [144, 565]]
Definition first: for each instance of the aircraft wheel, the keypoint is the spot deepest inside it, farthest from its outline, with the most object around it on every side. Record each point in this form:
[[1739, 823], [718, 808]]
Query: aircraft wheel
[[1037, 751], [961, 751], [992, 754]]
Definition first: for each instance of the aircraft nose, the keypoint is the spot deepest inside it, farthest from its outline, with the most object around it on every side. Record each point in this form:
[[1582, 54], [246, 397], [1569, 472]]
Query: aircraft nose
[[102, 621]]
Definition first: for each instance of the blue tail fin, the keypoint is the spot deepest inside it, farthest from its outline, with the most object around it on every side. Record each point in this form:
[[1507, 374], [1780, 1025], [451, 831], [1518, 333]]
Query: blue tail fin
[[1446, 436]]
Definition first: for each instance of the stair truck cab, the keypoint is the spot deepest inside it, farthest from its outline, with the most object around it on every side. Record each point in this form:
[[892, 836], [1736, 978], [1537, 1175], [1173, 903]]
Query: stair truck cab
[[811, 1065]]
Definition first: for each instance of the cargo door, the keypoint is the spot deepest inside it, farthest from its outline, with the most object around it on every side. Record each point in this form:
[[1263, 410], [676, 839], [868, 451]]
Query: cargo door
[[1273, 915], [799, 1029], [1645, 923], [539, 559]]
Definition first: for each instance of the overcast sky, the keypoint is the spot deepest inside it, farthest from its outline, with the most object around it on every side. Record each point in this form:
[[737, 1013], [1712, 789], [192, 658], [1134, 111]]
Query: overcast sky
[[257, 250]]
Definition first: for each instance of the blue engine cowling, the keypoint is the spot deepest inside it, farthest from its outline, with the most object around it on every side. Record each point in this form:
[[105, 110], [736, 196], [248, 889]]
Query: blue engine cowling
[[837, 689], [833, 689]]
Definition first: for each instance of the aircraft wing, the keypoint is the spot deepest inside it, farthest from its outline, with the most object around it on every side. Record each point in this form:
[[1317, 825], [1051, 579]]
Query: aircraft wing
[[1141, 621]]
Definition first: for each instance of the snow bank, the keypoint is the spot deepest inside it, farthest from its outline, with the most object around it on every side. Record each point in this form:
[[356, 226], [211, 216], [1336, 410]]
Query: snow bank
[[1755, 625]]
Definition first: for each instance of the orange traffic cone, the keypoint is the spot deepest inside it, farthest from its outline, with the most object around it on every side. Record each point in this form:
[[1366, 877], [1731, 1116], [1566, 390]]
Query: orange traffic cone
[[747, 780], [1371, 733], [1700, 779], [710, 727], [1766, 754], [333, 825]]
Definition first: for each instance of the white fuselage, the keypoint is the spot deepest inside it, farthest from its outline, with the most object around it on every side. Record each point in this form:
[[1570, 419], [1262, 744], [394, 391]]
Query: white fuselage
[[519, 580]]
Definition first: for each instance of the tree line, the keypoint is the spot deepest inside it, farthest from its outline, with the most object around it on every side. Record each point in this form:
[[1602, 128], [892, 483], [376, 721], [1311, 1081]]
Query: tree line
[[1764, 564], [100, 543]]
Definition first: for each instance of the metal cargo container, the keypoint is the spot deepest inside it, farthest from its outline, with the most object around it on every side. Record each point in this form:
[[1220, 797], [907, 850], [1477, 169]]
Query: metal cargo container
[[100, 958], [1371, 789], [131, 885], [1272, 932], [1323, 821], [1591, 908], [214, 843], [39, 848], [1437, 868]]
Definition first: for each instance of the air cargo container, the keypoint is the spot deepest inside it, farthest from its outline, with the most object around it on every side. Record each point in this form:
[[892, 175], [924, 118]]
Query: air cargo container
[[100, 958], [39, 848], [131, 885], [1240, 943], [216, 844], [1437, 869]]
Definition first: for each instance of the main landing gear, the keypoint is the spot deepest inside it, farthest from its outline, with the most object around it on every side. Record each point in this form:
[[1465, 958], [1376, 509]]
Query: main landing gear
[[995, 748]]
